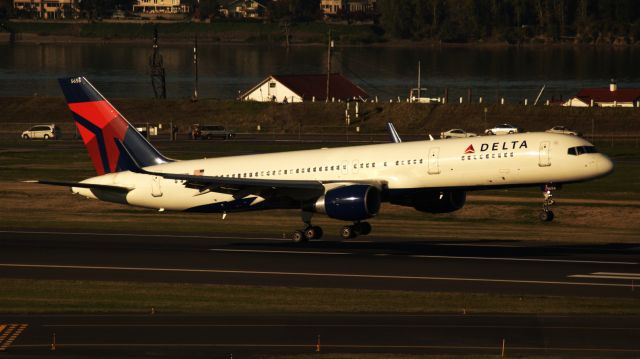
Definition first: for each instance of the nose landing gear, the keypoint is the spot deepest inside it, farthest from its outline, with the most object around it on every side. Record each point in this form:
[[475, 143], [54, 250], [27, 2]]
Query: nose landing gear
[[546, 215]]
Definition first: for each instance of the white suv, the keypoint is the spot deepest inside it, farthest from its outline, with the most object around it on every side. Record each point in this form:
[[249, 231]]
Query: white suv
[[44, 132], [503, 129]]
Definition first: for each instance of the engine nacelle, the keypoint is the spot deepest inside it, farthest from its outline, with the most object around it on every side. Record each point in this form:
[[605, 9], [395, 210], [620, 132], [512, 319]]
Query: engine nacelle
[[439, 202], [350, 203]]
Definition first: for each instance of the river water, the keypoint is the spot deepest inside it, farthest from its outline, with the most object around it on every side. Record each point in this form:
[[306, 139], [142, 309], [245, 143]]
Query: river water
[[121, 70]]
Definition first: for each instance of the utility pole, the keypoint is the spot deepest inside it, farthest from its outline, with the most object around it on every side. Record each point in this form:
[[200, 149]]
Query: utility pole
[[419, 97], [156, 67], [329, 66], [195, 65]]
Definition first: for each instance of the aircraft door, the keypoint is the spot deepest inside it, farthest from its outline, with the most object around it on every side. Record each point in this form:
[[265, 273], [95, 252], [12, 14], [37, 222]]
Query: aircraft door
[[434, 165], [156, 189], [545, 156]]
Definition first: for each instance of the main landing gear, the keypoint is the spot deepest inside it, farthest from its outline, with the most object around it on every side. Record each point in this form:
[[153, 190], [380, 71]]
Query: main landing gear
[[546, 215], [315, 232], [355, 229], [309, 232]]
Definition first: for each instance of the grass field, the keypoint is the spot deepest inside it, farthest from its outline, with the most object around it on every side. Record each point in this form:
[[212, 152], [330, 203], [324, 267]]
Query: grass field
[[63, 296]]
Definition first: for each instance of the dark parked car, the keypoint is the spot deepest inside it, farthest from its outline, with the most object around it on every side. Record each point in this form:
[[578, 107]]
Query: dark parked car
[[210, 132]]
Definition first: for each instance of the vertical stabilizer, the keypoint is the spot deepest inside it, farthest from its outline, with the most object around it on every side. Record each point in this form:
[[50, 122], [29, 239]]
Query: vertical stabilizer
[[102, 126]]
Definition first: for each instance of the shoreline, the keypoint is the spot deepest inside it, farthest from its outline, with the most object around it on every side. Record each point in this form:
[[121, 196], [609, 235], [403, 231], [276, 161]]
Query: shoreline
[[248, 33], [37, 39]]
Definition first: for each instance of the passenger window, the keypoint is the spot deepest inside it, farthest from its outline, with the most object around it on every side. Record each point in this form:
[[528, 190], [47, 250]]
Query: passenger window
[[373, 165], [397, 163], [421, 161]]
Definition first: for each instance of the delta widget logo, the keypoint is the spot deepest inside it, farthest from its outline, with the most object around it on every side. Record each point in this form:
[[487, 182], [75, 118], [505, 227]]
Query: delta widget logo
[[469, 150]]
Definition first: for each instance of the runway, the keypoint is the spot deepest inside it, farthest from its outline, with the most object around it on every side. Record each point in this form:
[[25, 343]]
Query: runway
[[509, 267], [389, 263]]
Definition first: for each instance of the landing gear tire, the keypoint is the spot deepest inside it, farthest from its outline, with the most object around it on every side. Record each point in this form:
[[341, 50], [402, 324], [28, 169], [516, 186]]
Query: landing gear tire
[[25, 137], [348, 232], [363, 228], [298, 237], [313, 232], [546, 216]]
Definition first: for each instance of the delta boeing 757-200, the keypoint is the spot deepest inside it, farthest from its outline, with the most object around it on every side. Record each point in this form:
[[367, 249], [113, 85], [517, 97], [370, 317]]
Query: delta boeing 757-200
[[346, 183]]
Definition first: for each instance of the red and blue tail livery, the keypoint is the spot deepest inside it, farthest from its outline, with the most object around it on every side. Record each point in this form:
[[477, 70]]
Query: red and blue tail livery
[[102, 127]]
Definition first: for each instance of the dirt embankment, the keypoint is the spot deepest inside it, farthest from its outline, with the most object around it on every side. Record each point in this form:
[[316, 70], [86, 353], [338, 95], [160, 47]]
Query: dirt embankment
[[328, 118]]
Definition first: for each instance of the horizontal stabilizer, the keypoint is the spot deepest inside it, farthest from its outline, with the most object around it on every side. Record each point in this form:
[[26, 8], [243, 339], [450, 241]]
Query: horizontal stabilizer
[[82, 185]]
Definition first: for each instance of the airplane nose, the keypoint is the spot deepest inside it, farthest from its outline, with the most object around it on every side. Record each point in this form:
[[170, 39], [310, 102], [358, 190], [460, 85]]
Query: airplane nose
[[605, 165]]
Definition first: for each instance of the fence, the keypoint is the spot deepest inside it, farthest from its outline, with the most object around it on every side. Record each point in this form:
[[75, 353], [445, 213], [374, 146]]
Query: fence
[[12, 131]]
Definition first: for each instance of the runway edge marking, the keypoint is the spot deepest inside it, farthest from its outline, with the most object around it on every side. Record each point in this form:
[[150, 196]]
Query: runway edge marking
[[309, 274], [12, 333]]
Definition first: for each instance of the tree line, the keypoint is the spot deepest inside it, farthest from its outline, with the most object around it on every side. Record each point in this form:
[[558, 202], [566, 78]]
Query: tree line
[[513, 21]]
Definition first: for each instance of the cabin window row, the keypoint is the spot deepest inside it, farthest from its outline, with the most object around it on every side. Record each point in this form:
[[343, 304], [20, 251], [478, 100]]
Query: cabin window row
[[362, 165]]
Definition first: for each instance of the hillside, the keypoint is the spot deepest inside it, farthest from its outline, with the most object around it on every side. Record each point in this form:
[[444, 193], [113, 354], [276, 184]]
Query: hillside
[[330, 118]]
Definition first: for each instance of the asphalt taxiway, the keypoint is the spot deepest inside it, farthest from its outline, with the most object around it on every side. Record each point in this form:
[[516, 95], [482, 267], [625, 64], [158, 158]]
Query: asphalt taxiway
[[389, 263]]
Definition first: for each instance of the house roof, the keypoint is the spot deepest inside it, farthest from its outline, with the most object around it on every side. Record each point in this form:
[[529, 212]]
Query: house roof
[[315, 85], [606, 95]]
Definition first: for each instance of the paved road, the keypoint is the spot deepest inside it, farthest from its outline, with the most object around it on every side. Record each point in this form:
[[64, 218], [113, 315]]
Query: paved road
[[257, 335], [478, 266]]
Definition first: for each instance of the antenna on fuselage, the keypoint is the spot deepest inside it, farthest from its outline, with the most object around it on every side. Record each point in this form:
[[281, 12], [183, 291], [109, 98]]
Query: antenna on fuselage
[[395, 138]]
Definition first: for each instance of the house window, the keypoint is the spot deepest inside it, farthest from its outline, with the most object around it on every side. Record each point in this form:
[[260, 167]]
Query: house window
[[272, 84]]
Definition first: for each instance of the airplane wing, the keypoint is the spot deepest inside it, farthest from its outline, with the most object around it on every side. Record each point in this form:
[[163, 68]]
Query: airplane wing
[[242, 187], [82, 185]]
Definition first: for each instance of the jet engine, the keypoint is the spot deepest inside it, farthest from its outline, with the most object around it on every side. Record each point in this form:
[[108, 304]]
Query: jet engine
[[350, 203], [439, 201]]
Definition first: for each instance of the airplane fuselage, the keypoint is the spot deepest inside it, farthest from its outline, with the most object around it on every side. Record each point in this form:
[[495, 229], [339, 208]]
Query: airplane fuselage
[[464, 164]]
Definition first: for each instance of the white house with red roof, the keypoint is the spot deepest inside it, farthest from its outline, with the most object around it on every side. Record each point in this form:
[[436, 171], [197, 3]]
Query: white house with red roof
[[606, 97], [299, 88]]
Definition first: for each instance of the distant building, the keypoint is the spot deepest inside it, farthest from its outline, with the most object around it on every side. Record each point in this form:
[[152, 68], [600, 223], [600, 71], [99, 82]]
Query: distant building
[[605, 97], [340, 7], [47, 9], [247, 9], [298, 88], [160, 8]]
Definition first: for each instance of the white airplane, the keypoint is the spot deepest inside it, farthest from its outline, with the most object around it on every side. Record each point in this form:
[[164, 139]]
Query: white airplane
[[346, 183]]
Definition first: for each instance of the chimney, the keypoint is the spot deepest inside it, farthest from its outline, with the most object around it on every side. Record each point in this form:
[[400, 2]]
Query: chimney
[[613, 86]]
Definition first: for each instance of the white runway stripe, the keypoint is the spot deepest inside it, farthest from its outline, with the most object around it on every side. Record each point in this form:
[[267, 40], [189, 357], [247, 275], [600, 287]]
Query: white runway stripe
[[526, 259], [276, 251], [608, 275], [146, 235], [311, 274]]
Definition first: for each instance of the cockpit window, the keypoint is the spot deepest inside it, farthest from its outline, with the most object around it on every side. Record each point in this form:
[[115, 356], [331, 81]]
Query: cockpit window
[[579, 150]]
